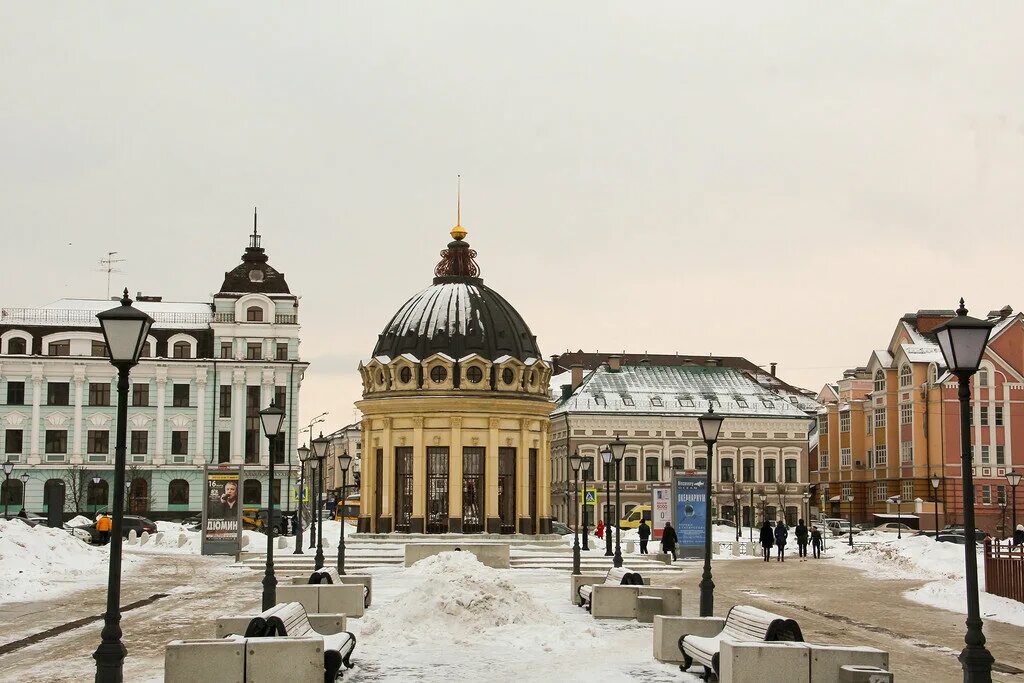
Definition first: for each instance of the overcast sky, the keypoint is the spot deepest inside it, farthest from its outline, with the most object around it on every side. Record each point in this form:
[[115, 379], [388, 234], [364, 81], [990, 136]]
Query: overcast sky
[[779, 181]]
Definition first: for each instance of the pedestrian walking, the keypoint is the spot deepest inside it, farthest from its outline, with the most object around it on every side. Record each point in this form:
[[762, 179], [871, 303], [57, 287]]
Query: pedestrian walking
[[645, 535], [767, 540], [781, 533], [600, 529], [816, 542], [801, 539], [1018, 535], [668, 540]]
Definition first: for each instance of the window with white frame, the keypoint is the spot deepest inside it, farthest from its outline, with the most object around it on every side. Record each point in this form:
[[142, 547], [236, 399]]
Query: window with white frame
[[844, 421], [871, 457], [1000, 455], [984, 416], [908, 490], [986, 494], [823, 461], [845, 457], [906, 413], [881, 456], [983, 377], [823, 424], [879, 380], [906, 452], [880, 418], [906, 376], [999, 416], [847, 491], [869, 422], [985, 456], [881, 490]]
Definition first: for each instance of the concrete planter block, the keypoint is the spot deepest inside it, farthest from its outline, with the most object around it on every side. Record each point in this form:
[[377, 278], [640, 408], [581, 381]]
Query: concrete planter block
[[158, 538], [244, 543], [852, 673], [271, 660], [582, 580], [188, 661], [630, 547], [133, 537], [614, 602], [337, 599], [233, 625], [671, 599], [307, 596], [741, 662], [328, 624], [663, 557], [668, 629], [182, 540], [282, 542], [827, 660], [362, 580], [646, 607]]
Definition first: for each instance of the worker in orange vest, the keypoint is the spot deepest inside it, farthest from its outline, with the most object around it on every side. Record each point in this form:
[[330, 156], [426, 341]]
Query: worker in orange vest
[[103, 526]]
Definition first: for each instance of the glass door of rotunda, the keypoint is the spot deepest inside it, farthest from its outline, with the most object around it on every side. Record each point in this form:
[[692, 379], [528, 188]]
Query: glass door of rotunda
[[473, 484], [437, 489], [507, 489]]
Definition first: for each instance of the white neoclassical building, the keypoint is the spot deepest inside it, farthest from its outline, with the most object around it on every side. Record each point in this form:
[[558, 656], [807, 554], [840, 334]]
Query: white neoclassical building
[[207, 370]]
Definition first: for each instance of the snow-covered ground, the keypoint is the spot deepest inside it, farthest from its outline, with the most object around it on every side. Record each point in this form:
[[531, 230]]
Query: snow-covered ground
[[39, 562], [883, 556]]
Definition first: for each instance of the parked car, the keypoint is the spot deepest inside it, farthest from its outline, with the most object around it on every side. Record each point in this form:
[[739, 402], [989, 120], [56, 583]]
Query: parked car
[[128, 524], [842, 527], [32, 519], [560, 528], [896, 527], [632, 521], [947, 537], [979, 535], [193, 523]]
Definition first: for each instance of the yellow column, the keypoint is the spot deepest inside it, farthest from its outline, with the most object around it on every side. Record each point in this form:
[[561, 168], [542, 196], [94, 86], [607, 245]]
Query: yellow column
[[419, 472], [544, 472], [387, 470], [455, 472], [366, 481], [523, 472], [492, 468]]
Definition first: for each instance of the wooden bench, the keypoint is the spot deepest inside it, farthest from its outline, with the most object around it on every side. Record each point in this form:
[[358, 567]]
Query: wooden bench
[[289, 620], [616, 576], [743, 624]]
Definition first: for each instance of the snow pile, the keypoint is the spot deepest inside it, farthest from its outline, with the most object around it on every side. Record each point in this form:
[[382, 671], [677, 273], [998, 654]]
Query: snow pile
[[79, 520], [43, 562], [454, 594], [916, 557]]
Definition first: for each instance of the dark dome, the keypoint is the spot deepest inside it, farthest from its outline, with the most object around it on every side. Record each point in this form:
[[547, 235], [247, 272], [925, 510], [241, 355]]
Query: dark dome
[[457, 315]]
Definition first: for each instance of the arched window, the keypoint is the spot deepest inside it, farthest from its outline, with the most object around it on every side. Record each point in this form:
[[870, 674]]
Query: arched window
[[790, 471], [96, 494], [49, 486], [982, 377], [12, 492], [182, 349], [933, 373], [629, 468], [177, 492], [138, 495], [16, 347], [147, 350], [438, 373], [252, 492], [906, 376], [879, 380], [254, 314]]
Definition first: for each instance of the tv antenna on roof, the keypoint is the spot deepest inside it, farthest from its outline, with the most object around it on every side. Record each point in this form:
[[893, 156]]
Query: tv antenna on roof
[[107, 265]]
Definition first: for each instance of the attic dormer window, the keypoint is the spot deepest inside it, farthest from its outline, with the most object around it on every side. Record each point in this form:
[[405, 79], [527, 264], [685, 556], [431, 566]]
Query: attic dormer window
[[405, 375], [438, 373], [656, 401], [254, 314], [741, 402], [507, 376], [474, 374], [255, 275], [627, 401]]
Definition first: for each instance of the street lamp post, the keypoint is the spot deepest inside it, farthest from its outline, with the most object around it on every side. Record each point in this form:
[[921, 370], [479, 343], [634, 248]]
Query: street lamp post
[[1002, 517], [807, 507], [764, 510], [710, 425], [618, 450], [8, 468], [1013, 478], [344, 461], [962, 340], [899, 518], [935, 481], [585, 467], [606, 456], [320, 445], [95, 482], [24, 485], [736, 516], [303, 451], [272, 418], [575, 461], [314, 499], [124, 329], [849, 499], [753, 515]]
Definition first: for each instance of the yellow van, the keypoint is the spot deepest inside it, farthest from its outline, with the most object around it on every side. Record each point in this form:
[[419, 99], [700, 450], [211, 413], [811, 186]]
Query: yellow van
[[632, 520]]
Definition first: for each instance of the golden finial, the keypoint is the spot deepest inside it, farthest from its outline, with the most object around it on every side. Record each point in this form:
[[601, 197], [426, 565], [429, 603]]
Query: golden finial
[[458, 232]]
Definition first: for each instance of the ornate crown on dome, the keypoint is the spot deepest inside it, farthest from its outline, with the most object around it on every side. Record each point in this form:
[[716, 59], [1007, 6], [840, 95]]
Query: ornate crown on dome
[[458, 260]]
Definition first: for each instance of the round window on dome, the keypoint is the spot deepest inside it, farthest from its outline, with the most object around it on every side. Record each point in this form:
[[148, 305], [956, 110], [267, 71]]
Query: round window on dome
[[507, 376], [405, 374], [474, 374], [438, 373]]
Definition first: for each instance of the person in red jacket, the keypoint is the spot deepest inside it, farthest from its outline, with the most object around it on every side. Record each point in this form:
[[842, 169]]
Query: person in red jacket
[[600, 529]]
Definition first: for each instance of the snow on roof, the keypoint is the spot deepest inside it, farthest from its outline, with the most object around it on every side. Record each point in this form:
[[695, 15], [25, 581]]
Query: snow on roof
[[410, 357], [1003, 324], [557, 382], [883, 356], [675, 390], [438, 307], [82, 313], [923, 353]]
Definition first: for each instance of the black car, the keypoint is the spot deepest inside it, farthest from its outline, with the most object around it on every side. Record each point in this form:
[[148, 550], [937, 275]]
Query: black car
[[129, 523], [979, 535]]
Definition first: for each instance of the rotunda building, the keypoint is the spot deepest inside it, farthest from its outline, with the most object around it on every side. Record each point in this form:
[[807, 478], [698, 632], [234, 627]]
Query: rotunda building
[[455, 412]]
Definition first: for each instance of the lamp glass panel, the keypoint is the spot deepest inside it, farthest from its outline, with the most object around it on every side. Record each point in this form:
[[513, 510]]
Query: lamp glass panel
[[124, 338], [8, 467], [618, 449], [303, 453], [320, 447], [272, 418], [710, 424], [575, 461], [344, 461], [1013, 478], [606, 455]]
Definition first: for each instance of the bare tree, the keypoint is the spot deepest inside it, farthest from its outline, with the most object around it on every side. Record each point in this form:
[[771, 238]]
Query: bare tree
[[76, 484]]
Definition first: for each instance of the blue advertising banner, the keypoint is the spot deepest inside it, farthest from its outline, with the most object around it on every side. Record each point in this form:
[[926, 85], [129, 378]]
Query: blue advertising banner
[[689, 511]]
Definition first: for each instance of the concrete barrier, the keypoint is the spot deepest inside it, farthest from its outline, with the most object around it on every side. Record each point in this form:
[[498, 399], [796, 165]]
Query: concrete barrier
[[668, 629], [828, 660], [620, 602], [182, 540], [324, 624], [741, 662], [133, 537], [582, 580], [851, 673], [494, 555], [158, 538], [144, 538], [222, 660], [292, 659], [325, 598], [282, 542]]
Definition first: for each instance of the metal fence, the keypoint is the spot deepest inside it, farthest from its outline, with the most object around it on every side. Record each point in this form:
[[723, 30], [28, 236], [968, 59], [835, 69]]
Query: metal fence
[[1004, 570]]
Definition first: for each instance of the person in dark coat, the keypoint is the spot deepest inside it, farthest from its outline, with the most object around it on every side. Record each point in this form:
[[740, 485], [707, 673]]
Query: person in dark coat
[[669, 540], [816, 542], [801, 539], [767, 540], [645, 534], [781, 534], [1018, 535]]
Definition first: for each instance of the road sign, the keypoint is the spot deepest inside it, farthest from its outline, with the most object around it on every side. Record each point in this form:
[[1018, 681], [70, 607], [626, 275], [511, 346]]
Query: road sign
[[590, 497]]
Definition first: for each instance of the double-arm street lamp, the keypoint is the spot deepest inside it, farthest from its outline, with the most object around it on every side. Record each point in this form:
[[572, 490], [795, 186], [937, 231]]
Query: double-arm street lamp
[[962, 341], [344, 461], [618, 447], [272, 418], [320, 445], [606, 457], [935, 481], [124, 330], [575, 461], [8, 468], [710, 425], [303, 451], [1013, 478]]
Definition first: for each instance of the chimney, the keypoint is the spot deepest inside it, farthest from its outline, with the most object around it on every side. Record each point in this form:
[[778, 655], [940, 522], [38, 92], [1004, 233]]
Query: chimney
[[577, 375], [554, 364], [614, 363], [773, 366], [711, 362]]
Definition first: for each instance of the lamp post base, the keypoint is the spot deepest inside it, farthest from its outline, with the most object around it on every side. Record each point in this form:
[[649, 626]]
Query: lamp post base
[[976, 662], [269, 589], [110, 662], [707, 597], [576, 557], [617, 559]]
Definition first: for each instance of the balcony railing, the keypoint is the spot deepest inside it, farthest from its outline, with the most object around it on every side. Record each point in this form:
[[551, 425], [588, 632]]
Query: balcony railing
[[74, 316], [279, 319]]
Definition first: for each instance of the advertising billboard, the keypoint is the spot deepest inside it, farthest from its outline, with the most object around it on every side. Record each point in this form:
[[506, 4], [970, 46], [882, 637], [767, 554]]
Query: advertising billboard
[[689, 512], [222, 510], [661, 509]]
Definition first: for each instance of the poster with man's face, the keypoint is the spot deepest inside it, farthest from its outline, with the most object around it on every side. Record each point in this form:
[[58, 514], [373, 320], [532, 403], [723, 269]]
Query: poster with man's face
[[222, 510]]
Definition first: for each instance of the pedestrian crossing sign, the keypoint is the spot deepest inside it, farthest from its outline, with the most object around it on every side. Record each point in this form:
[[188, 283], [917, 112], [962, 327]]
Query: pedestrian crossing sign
[[590, 496]]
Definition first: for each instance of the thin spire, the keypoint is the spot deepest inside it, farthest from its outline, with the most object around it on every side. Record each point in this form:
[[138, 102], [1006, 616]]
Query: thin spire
[[254, 241], [458, 232]]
